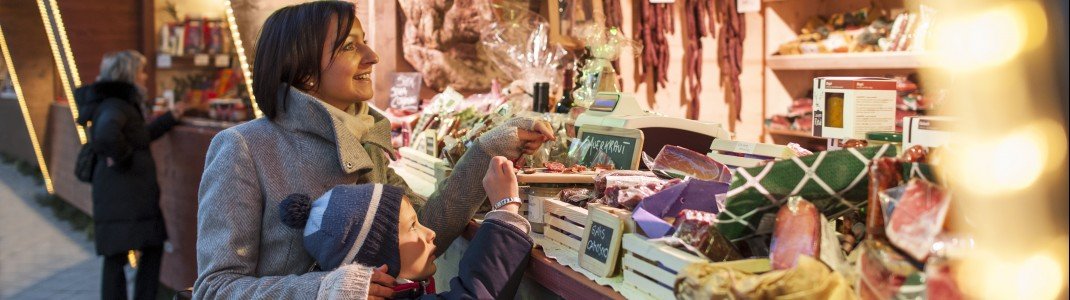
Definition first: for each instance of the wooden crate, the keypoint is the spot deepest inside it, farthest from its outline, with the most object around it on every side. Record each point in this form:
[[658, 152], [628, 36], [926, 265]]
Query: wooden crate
[[652, 268], [564, 223]]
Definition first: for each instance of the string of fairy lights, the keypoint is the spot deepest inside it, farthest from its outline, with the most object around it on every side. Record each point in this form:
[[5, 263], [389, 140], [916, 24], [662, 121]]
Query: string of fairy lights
[[67, 68], [25, 112], [243, 61]]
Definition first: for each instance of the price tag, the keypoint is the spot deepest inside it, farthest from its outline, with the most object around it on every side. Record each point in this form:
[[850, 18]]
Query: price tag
[[601, 241], [201, 60], [748, 6], [744, 148], [222, 60], [163, 61]]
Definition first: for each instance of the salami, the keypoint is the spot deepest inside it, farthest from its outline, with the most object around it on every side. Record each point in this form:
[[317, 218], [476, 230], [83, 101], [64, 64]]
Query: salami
[[883, 174], [654, 22], [698, 23], [730, 53], [797, 232]]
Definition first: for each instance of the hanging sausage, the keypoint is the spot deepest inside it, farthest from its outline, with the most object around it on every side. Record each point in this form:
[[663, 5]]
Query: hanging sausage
[[699, 23], [730, 54], [654, 22]]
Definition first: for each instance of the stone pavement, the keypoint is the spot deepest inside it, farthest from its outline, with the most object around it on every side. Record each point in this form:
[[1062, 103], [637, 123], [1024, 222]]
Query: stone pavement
[[41, 257]]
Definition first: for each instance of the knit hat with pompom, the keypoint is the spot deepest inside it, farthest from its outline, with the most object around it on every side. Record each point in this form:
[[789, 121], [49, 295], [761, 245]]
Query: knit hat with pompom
[[347, 224]]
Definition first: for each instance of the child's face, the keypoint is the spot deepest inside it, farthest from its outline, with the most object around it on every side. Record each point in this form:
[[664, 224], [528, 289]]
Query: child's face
[[416, 244]]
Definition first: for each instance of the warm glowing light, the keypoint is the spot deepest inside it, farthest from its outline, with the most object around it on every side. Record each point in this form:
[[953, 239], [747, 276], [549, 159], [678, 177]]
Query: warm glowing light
[[987, 38], [242, 60], [68, 80], [991, 276], [25, 113], [1007, 163], [1039, 277]]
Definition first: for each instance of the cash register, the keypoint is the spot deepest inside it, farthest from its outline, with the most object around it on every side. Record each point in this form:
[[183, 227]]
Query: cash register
[[621, 112]]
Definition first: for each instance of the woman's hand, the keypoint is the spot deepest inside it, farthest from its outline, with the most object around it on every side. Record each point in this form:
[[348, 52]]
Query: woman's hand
[[382, 285], [179, 109], [500, 181], [517, 136], [531, 140]]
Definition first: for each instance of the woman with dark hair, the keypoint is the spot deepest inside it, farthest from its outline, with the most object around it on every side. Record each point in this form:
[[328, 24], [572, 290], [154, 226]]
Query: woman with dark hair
[[312, 78], [126, 196]]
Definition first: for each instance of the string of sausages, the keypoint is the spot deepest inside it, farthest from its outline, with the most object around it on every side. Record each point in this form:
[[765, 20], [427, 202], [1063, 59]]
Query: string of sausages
[[614, 19], [730, 54], [699, 23], [655, 21]]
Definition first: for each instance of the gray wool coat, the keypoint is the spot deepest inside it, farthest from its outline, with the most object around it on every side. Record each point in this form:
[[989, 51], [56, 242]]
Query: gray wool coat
[[243, 249]]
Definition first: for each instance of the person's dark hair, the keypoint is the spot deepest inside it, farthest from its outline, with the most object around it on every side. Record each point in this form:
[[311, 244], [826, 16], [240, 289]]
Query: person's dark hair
[[289, 47]]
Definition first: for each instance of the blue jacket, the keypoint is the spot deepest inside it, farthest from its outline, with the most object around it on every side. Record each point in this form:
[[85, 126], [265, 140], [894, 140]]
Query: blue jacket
[[493, 265]]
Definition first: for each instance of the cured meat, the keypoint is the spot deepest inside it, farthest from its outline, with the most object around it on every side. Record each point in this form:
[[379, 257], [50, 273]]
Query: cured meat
[[628, 191], [554, 166], [884, 274], [696, 228], [883, 174], [918, 218], [683, 161], [797, 232], [575, 196], [855, 144], [939, 284], [600, 180], [916, 154]]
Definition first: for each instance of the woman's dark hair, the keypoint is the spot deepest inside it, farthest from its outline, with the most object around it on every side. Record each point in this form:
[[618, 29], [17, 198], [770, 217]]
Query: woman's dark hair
[[289, 47]]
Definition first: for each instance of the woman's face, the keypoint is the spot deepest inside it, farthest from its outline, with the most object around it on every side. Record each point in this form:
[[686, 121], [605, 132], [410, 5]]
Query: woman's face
[[416, 244], [141, 78], [347, 79]]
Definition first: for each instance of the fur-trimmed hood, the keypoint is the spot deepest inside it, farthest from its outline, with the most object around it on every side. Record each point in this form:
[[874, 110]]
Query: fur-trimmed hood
[[89, 97]]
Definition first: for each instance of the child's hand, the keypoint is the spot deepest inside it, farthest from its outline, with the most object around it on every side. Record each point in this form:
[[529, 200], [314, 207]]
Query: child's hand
[[382, 285], [500, 181]]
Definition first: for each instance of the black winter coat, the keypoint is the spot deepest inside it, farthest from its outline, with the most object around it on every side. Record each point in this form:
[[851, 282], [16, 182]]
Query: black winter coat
[[126, 196]]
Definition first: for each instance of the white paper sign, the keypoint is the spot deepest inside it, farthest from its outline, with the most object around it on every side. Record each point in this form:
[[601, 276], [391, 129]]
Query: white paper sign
[[748, 6], [745, 148], [201, 60], [222, 60], [163, 61]]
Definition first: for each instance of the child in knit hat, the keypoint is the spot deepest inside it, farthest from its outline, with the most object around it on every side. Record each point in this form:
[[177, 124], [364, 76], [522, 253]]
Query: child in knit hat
[[360, 227]]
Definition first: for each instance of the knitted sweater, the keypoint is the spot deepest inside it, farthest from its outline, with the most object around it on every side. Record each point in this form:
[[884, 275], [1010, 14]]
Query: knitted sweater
[[243, 249]]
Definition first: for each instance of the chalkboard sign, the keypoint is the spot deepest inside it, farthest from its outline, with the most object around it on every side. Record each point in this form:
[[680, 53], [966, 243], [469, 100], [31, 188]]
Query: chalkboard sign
[[623, 146], [597, 245], [601, 239], [405, 93]]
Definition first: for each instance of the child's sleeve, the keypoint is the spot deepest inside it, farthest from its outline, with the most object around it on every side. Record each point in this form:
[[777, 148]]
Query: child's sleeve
[[495, 261]]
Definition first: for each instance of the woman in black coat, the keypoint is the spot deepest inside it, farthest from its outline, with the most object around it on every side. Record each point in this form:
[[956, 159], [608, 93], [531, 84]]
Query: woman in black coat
[[126, 208]]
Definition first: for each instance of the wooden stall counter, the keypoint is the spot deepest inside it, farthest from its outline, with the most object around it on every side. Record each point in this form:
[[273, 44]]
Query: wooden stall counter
[[180, 158]]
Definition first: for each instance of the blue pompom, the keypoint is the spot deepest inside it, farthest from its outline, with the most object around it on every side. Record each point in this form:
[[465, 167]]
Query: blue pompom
[[294, 210]]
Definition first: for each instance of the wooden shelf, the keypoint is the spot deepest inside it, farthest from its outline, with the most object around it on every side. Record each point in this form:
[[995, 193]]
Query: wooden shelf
[[803, 138], [846, 61], [189, 62]]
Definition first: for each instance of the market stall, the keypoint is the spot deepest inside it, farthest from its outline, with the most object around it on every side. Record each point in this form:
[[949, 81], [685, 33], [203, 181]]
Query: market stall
[[817, 157], [636, 204]]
